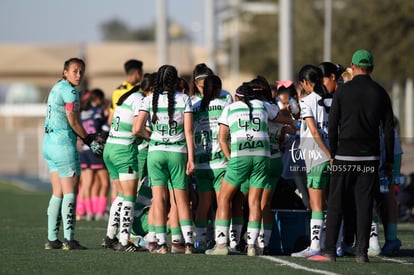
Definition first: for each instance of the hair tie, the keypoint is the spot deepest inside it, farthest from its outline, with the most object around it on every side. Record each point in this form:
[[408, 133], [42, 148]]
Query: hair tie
[[284, 83], [201, 76]]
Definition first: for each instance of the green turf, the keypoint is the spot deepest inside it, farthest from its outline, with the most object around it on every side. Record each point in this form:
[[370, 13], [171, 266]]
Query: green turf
[[23, 233]]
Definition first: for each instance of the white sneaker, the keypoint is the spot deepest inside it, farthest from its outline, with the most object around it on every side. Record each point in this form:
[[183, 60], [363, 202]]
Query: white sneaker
[[339, 251], [219, 250], [374, 251], [251, 250], [308, 252]]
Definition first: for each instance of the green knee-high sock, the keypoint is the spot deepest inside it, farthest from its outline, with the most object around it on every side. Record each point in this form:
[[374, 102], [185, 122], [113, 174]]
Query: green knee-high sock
[[391, 232], [53, 218], [68, 216]]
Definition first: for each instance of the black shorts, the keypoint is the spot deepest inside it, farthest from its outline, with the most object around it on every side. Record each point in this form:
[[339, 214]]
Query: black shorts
[[89, 160]]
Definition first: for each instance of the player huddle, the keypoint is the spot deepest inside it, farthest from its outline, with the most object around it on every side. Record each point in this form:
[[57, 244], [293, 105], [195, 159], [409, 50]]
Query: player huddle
[[168, 145]]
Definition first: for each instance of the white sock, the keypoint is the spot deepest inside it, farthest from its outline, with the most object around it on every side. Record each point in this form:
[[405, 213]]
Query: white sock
[[114, 215], [177, 238], [127, 218], [161, 238], [316, 230], [150, 237], [187, 233], [374, 236], [221, 234], [252, 234], [260, 239]]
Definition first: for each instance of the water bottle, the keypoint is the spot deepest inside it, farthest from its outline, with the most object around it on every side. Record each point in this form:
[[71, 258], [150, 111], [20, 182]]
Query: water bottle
[[294, 108], [384, 183]]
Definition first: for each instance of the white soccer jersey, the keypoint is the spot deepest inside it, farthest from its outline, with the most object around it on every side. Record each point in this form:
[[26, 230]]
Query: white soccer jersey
[[312, 154], [208, 154], [166, 137], [248, 137], [124, 114]]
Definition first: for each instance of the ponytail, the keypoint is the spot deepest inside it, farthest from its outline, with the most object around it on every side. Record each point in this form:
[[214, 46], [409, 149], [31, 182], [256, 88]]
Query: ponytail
[[127, 94], [212, 89], [245, 94], [166, 80]]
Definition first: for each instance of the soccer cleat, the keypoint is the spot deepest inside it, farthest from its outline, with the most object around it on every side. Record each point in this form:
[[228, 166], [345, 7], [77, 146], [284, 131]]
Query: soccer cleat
[[151, 246], [160, 249], [349, 250], [72, 244], [339, 252], [189, 248], [109, 243], [374, 251], [322, 258], [218, 250], [200, 247], [251, 250], [129, 247], [177, 248], [56, 244], [265, 251], [308, 252], [391, 248]]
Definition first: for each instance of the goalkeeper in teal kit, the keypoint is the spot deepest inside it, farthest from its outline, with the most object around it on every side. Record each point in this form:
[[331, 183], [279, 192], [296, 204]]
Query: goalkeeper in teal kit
[[62, 127]]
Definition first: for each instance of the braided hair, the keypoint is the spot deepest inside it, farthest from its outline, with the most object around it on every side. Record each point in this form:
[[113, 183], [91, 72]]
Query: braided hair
[[212, 89], [167, 77], [245, 93]]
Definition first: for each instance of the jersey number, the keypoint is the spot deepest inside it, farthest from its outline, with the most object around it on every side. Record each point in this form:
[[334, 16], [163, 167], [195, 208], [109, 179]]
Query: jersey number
[[171, 130], [255, 124]]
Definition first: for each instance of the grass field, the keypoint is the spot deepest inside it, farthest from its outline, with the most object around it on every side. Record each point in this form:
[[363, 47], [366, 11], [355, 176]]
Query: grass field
[[23, 233]]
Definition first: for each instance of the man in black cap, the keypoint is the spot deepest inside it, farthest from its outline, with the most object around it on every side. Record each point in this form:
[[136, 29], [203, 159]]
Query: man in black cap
[[360, 109]]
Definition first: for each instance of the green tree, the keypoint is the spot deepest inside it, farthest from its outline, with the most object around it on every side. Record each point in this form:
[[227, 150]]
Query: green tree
[[385, 27]]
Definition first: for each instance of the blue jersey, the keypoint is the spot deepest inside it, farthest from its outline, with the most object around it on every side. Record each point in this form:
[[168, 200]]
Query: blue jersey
[[93, 119], [57, 126]]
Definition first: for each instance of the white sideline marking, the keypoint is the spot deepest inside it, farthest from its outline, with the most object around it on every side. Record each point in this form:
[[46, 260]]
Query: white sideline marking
[[296, 266], [395, 260]]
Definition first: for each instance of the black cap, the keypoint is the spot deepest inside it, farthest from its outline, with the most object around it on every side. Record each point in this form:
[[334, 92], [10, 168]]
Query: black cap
[[132, 64]]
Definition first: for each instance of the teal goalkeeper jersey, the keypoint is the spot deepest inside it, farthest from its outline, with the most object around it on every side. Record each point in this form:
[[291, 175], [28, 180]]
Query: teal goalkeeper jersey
[[165, 136], [249, 137], [208, 154]]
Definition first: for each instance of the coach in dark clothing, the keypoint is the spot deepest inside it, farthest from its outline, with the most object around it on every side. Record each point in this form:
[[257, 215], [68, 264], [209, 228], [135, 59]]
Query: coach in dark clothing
[[360, 108]]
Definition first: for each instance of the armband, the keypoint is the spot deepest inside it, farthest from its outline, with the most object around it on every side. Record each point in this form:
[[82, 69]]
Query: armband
[[73, 106]]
